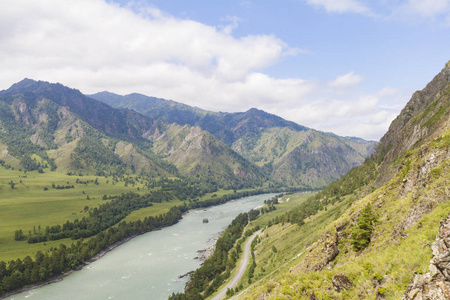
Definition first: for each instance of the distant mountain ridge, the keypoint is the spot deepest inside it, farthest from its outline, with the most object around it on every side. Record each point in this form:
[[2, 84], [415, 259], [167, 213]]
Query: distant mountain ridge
[[48, 123], [76, 133], [287, 151], [228, 127]]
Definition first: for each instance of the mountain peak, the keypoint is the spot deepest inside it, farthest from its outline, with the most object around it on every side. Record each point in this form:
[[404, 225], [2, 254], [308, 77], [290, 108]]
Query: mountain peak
[[255, 110], [31, 85], [25, 84]]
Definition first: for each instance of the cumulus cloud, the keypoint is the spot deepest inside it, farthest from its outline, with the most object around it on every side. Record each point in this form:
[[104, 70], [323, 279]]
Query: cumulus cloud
[[346, 81], [93, 46], [233, 24], [92, 34], [340, 6], [434, 12]]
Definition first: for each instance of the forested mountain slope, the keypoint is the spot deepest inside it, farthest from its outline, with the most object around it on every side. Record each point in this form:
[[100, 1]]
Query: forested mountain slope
[[49, 125], [286, 152], [390, 218]]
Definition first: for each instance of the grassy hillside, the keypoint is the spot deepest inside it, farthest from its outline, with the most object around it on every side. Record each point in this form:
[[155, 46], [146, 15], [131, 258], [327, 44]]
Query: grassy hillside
[[400, 245], [369, 233]]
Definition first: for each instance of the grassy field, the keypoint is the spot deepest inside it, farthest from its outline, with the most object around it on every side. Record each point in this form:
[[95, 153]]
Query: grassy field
[[27, 205], [286, 203], [30, 201]]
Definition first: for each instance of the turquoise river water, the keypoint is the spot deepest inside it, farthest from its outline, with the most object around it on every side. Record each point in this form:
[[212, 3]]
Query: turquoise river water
[[148, 266]]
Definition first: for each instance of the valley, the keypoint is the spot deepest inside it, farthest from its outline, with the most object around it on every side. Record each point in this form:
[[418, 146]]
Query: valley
[[214, 150], [78, 176]]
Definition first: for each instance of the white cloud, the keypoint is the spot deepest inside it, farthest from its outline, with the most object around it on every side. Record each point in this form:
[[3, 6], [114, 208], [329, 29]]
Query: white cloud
[[352, 114], [431, 12], [407, 11], [346, 81], [428, 8], [38, 38], [94, 46], [340, 6], [234, 23]]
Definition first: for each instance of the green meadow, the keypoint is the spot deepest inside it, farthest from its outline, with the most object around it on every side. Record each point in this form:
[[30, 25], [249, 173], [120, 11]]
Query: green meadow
[[31, 203]]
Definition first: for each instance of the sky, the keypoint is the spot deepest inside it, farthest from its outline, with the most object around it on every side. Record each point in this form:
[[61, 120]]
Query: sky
[[341, 66]]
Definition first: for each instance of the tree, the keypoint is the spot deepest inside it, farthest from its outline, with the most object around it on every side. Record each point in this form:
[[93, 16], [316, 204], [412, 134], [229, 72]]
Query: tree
[[18, 235], [362, 232]]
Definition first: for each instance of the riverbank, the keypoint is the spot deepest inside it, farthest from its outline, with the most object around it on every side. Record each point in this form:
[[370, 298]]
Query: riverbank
[[78, 268], [204, 254]]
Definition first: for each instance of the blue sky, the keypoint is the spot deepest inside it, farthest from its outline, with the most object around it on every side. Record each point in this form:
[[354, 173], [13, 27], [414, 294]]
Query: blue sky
[[344, 66]]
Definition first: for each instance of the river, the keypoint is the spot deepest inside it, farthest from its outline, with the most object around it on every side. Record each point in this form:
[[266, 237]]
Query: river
[[148, 266]]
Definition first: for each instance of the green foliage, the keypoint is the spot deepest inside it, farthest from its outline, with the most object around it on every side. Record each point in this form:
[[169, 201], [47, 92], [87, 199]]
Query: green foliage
[[406, 168], [92, 151], [206, 279], [19, 236], [362, 232], [436, 172], [101, 218], [443, 141]]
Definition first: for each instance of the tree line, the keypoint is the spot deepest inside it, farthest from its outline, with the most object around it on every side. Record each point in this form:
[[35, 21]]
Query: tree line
[[99, 219]]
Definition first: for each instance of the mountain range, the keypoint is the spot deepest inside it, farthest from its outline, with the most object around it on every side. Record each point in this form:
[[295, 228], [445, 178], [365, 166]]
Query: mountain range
[[50, 125]]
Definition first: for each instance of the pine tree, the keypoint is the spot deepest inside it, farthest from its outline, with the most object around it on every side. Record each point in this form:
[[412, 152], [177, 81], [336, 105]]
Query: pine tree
[[362, 232]]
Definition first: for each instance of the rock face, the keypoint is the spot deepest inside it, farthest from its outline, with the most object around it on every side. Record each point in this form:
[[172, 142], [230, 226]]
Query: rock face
[[416, 181], [324, 252], [341, 282], [436, 283]]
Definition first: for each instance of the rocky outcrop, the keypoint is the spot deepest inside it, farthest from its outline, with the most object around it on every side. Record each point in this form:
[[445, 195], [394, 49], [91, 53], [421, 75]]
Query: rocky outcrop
[[341, 282], [416, 182], [436, 283], [324, 252], [36, 139]]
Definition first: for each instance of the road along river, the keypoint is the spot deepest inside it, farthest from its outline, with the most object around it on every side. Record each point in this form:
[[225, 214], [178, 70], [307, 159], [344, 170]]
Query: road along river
[[148, 266], [242, 267]]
